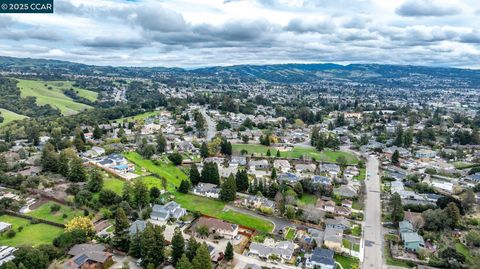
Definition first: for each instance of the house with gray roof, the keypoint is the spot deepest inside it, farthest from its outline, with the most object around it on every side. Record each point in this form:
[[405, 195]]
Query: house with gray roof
[[167, 211], [321, 258], [340, 223], [283, 249], [137, 226], [207, 190], [89, 256]]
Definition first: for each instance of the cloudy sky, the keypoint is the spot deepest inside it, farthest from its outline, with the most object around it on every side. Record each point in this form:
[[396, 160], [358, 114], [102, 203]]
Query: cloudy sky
[[195, 33]]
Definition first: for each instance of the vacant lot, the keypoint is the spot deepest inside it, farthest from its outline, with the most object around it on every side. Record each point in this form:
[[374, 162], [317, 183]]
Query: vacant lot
[[32, 234], [9, 116], [61, 216], [296, 152], [51, 92]]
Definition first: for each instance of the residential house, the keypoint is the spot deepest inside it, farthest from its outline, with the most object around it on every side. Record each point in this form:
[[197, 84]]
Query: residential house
[[305, 168], [89, 256], [6, 254], [283, 250], [347, 203], [167, 211], [94, 152], [289, 178], [340, 223], [322, 180], [238, 161], [475, 178], [257, 202], [412, 241], [326, 205], [425, 154], [330, 168], [137, 226], [333, 239], [321, 258], [207, 190], [218, 227], [347, 191], [282, 166], [259, 165], [5, 226]]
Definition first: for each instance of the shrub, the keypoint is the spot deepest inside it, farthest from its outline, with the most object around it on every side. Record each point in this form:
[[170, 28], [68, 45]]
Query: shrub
[[11, 233], [55, 208]]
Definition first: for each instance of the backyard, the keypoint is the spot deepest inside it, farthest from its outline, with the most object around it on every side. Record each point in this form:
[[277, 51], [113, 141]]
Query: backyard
[[296, 152], [31, 234], [64, 214]]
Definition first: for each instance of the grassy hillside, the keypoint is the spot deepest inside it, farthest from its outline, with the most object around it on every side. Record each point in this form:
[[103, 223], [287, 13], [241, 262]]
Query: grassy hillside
[[51, 92], [9, 116]]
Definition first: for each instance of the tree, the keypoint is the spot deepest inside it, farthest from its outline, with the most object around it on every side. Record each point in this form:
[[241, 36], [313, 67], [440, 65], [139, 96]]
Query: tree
[[161, 143], [121, 233], [195, 177], [298, 189], [290, 212], [342, 160], [435, 220], [77, 171], [29, 257], [280, 202], [79, 140], [178, 246], [469, 201], [80, 224], [241, 179], [152, 245], [96, 181], [140, 194], [202, 260], [453, 213], [396, 157], [278, 153], [210, 173], [204, 150], [108, 197], [154, 193], [269, 153], [184, 186], [83, 197], [184, 263], [473, 238], [176, 158], [399, 136], [64, 161], [192, 247], [97, 132], [396, 208], [49, 159], [229, 252], [273, 175], [228, 190]]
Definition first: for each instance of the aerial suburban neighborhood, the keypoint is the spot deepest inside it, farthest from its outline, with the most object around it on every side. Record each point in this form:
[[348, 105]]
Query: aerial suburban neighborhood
[[133, 135]]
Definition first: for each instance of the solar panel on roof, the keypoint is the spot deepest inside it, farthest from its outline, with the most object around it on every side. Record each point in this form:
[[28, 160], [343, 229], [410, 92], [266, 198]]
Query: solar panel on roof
[[81, 260]]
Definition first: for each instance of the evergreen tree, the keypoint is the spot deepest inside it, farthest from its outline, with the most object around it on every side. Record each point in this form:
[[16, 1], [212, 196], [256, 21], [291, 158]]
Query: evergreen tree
[[154, 193], [184, 186], [140, 194], [228, 190], [229, 252], [269, 153], [10, 265], [320, 144], [278, 153], [96, 181], [204, 150], [161, 142], [396, 157], [454, 214], [127, 193], [79, 140], [63, 163], [210, 173], [120, 234], [273, 174], [152, 245], [241, 178], [192, 247], [49, 159], [184, 263], [195, 177], [178, 246], [202, 259], [135, 247], [399, 136], [408, 138], [396, 208], [97, 132], [77, 171], [280, 202]]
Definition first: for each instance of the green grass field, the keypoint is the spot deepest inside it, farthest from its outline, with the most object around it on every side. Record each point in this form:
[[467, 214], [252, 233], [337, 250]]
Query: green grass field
[[361, 175], [210, 207], [308, 199], [55, 96], [290, 234], [44, 212], [32, 234], [138, 117], [346, 262], [113, 184], [297, 152], [9, 116]]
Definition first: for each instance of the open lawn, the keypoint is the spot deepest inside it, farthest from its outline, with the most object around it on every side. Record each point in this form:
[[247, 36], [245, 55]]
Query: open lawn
[[347, 244], [357, 230], [173, 174], [9, 116], [346, 262], [296, 152], [361, 175], [138, 117], [32, 234], [464, 250], [308, 199], [113, 184], [44, 212], [51, 92], [290, 234]]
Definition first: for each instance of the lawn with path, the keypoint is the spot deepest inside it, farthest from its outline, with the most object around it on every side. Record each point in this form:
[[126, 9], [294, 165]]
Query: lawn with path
[[44, 212], [346, 262], [32, 234], [9, 116], [296, 152], [52, 93]]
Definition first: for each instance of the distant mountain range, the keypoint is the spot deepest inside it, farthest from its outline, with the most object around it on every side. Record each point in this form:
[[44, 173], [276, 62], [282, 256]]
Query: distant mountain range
[[385, 75]]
